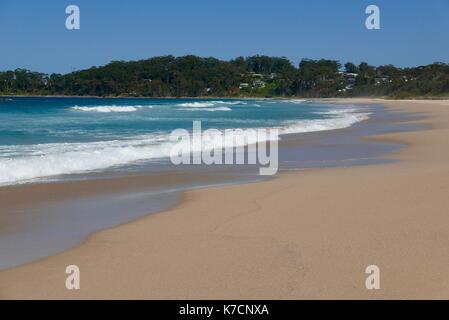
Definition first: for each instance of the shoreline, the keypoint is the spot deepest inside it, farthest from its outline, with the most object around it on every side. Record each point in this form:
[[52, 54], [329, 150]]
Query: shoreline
[[364, 98], [44, 284]]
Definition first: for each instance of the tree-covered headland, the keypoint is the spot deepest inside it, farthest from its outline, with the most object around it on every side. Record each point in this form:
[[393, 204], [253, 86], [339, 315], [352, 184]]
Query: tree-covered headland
[[258, 76]]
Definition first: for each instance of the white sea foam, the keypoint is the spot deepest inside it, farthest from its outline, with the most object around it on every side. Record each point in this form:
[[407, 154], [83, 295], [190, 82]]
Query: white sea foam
[[233, 102], [338, 118], [23, 163], [207, 104], [207, 109], [339, 111], [211, 106], [108, 109], [196, 104], [296, 101], [45, 160], [343, 120]]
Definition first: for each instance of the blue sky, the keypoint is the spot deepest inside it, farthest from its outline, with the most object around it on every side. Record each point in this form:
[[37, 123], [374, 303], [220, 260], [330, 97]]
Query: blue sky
[[33, 33]]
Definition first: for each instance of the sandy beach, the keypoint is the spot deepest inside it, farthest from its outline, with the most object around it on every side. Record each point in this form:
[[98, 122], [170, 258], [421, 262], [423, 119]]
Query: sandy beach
[[304, 235]]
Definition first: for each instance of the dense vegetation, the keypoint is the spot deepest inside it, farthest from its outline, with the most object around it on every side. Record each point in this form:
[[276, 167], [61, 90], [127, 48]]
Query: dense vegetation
[[192, 76]]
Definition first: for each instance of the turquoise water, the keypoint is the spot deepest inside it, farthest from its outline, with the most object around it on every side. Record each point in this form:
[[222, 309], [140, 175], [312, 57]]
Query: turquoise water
[[54, 137]]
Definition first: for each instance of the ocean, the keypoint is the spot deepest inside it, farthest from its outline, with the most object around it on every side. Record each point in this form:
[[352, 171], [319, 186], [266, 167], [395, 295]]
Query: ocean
[[45, 139]]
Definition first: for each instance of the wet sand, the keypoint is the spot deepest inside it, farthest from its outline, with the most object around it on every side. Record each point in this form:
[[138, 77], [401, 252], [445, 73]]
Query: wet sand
[[307, 234]]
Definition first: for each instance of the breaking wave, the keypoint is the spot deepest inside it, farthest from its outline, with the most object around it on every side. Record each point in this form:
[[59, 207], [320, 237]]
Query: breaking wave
[[108, 109], [207, 109], [24, 163]]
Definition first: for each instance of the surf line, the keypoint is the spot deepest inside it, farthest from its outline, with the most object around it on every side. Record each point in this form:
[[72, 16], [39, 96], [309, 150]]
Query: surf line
[[209, 147]]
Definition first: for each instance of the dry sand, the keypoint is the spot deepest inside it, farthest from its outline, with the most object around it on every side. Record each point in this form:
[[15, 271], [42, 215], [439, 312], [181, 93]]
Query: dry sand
[[305, 235]]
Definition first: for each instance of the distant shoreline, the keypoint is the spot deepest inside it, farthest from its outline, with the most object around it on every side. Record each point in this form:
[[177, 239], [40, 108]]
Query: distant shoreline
[[143, 97], [225, 97], [254, 76]]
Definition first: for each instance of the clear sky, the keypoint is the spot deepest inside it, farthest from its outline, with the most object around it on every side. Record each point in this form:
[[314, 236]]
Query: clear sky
[[33, 33]]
